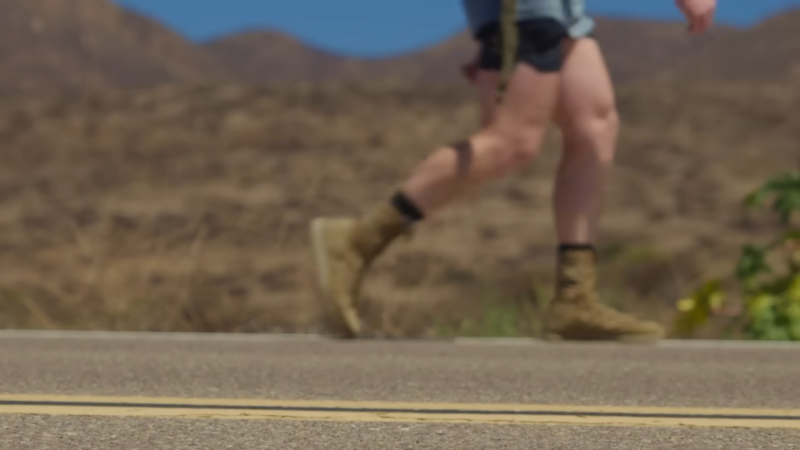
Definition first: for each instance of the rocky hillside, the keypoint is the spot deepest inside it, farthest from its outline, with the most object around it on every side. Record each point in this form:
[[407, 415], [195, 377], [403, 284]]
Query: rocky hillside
[[186, 208], [768, 52], [57, 45], [181, 202], [48, 45], [635, 50]]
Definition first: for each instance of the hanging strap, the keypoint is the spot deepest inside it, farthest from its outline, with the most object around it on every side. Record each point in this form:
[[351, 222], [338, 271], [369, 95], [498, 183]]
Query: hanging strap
[[510, 42]]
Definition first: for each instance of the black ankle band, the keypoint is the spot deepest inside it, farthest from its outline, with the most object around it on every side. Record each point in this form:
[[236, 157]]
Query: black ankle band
[[406, 207], [575, 247]]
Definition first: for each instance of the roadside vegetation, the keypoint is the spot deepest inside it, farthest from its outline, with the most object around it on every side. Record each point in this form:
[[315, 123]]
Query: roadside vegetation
[[765, 293]]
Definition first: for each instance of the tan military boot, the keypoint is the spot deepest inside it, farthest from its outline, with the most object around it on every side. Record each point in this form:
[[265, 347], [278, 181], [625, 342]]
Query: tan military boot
[[577, 314], [344, 248]]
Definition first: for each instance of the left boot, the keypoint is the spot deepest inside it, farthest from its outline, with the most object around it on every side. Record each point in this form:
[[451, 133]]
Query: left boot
[[577, 314], [344, 249]]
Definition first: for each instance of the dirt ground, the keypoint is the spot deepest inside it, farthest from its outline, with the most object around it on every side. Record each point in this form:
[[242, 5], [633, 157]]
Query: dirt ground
[[186, 208]]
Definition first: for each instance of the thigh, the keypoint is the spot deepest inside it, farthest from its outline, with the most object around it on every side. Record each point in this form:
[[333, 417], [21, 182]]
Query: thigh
[[532, 92], [530, 98], [586, 89], [529, 101]]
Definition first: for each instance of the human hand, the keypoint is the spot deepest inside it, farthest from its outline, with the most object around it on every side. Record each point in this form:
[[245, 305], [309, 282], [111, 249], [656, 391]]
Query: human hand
[[699, 13], [470, 71]]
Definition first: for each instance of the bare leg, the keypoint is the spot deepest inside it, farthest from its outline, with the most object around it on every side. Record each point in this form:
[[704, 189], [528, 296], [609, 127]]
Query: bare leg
[[344, 248], [588, 119], [512, 138]]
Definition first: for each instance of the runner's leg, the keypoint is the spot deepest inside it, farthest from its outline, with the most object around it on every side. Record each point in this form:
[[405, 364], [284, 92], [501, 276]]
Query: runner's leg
[[588, 120], [510, 140], [344, 248]]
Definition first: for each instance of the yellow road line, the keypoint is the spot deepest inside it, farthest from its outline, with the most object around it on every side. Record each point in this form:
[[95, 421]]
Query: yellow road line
[[397, 412]]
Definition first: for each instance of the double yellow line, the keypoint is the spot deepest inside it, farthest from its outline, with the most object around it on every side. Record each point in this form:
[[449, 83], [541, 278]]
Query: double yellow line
[[397, 412]]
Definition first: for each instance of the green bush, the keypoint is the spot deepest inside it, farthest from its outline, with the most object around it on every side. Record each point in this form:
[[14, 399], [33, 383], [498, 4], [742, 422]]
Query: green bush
[[768, 275]]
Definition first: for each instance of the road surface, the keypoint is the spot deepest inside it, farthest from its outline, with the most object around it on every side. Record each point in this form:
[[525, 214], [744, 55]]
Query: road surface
[[144, 391]]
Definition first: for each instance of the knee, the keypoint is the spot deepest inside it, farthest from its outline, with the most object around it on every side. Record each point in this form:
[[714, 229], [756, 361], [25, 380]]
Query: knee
[[514, 149], [595, 134]]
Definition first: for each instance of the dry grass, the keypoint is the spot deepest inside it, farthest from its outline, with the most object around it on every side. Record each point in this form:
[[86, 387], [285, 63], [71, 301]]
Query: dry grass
[[185, 208]]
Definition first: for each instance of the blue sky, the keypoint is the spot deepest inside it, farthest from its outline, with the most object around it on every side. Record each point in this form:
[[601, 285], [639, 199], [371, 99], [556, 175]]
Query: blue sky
[[385, 27]]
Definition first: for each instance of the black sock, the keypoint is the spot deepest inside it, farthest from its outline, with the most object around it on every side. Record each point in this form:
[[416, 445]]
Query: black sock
[[406, 207], [565, 247]]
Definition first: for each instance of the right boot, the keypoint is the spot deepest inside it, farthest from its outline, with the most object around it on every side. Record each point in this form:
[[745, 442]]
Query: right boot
[[344, 249], [576, 313]]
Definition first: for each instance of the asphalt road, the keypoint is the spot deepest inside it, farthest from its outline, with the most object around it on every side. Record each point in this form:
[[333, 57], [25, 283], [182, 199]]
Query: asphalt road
[[118, 391]]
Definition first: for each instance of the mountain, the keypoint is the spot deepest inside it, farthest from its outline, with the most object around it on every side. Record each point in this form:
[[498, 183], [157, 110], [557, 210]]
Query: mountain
[[770, 51], [271, 56], [635, 49], [185, 208], [66, 44], [639, 49], [56, 45]]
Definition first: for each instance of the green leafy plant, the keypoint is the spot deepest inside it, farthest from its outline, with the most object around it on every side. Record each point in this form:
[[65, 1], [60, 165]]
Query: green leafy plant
[[768, 275]]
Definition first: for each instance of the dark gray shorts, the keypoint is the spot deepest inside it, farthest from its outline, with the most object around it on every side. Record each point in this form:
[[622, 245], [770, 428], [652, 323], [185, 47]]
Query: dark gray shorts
[[540, 45], [543, 27]]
